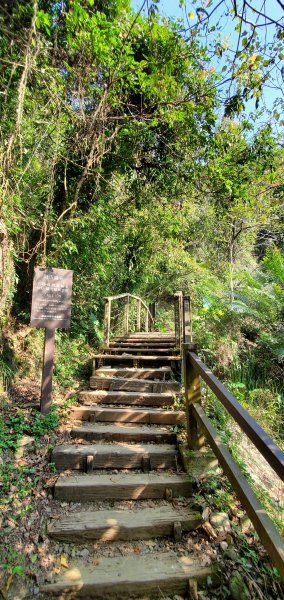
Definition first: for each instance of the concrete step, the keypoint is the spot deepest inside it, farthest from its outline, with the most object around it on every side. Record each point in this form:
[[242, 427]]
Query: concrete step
[[146, 457], [110, 525], [98, 413], [121, 486], [118, 432]]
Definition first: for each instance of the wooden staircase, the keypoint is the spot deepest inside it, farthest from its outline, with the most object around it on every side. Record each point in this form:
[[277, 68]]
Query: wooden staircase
[[123, 447]]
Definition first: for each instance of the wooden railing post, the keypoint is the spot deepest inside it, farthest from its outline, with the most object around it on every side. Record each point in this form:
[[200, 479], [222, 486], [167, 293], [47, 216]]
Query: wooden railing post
[[191, 378], [187, 320], [152, 310], [126, 315], [107, 321], [146, 321], [178, 320], [195, 437], [138, 315]]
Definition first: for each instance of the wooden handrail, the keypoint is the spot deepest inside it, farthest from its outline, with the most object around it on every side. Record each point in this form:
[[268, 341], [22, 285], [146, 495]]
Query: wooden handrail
[[200, 428], [263, 442], [263, 524], [118, 296], [149, 318]]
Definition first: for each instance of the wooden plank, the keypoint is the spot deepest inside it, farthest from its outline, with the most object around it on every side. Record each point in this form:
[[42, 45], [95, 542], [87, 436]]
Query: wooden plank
[[130, 398], [131, 373], [110, 525], [141, 357], [126, 415], [145, 337], [128, 576], [192, 395], [94, 432], [187, 320], [132, 385], [107, 321], [114, 456], [263, 442], [143, 343], [138, 315], [267, 532], [85, 488], [139, 349]]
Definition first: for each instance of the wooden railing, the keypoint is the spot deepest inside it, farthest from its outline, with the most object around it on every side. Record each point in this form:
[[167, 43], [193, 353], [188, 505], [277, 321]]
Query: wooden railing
[[183, 320], [200, 428], [127, 313]]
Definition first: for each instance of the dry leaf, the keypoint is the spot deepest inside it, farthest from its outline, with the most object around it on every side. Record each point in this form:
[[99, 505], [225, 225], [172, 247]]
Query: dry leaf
[[209, 530], [8, 582], [63, 561], [4, 593]]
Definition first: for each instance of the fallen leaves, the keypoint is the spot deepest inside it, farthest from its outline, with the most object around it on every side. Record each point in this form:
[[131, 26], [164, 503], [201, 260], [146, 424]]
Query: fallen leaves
[[64, 561]]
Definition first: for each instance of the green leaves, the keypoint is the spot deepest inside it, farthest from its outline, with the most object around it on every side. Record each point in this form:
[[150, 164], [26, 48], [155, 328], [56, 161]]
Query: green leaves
[[43, 21]]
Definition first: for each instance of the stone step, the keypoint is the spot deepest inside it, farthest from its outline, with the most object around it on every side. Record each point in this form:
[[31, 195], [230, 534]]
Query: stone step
[[120, 577], [161, 373], [121, 486], [147, 457], [110, 525], [128, 398], [132, 385], [156, 416], [96, 431]]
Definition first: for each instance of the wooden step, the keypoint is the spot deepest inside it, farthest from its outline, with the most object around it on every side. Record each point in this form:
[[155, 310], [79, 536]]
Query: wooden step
[[115, 456], [133, 385], [121, 486], [140, 358], [141, 343], [129, 398], [138, 350], [131, 373], [129, 576], [122, 433], [150, 335], [126, 415], [109, 525]]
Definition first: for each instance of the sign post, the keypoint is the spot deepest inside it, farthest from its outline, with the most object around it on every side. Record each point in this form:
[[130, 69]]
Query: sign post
[[51, 308]]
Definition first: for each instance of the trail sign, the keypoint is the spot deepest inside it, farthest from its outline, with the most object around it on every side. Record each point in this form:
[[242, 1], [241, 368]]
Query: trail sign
[[51, 308]]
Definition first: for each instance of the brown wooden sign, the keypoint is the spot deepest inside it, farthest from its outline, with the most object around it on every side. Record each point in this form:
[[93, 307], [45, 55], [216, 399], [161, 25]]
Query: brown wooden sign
[[51, 308], [51, 300]]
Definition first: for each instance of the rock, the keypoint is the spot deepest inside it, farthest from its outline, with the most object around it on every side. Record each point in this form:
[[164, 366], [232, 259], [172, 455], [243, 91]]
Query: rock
[[24, 443], [220, 521], [223, 546], [238, 587], [231, 553], [245, 524], [84, 553], [26, 440], [36, 591]]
